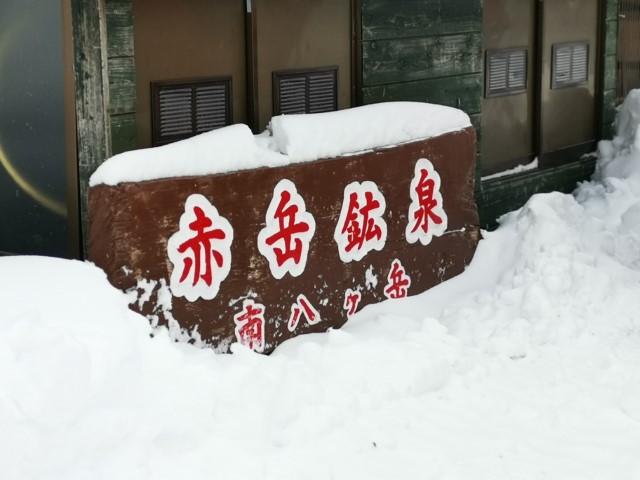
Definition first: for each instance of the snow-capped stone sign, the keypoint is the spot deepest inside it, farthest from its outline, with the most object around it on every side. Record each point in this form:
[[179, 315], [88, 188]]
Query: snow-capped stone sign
[[255, 239]]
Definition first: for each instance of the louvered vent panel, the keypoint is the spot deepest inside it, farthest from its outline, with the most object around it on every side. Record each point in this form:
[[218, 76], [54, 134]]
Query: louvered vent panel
[[498, 68], [175, 112], [181, 109], [580, 64], [570, 64], [305, 91], [322, 93], [211, 108], [293, 94], [563, 65], [506, 71], [517, 70]]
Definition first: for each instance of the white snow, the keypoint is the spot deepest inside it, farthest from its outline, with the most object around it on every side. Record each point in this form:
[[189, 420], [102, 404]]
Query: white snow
[[326, 135], [289, 139], [532, 165], [526, 366]]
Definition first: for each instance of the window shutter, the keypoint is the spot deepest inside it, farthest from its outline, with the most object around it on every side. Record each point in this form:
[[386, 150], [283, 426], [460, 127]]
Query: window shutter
[[506, 71], [212, 102], [175, 112], [182, 109], [305, 91], [293, 95], [322, 92], [570, 64]]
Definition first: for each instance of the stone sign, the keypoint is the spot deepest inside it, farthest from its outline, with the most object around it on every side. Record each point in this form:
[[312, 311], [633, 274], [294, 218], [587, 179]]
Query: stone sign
[[259, 256]]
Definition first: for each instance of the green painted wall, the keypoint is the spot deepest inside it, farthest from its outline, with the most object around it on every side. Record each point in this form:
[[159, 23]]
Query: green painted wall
[[423, 50], [610, 68], [121, 74]]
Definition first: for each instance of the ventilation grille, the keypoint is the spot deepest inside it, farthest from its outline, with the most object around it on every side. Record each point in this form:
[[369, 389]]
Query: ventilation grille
[[186, 108], [570, 64], [506, 71], [305, 91]]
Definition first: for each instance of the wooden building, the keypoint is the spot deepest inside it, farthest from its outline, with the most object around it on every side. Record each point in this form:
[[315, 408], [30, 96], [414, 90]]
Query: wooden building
[[538, 78]]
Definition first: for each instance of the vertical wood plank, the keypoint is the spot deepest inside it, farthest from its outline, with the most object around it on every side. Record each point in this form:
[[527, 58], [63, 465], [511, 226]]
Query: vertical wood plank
[[119, 18], [92, 95]]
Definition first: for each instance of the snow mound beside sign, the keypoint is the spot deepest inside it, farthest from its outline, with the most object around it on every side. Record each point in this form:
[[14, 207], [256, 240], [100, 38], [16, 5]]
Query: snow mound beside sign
[[289, 139]]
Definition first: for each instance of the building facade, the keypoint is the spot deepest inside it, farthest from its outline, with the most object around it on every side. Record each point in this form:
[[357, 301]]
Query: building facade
[[539, 80]]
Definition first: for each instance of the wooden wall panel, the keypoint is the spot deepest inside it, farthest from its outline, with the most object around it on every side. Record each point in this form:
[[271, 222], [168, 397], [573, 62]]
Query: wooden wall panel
[[122, 85], [402, 60], [385, 19], [92, 95], [123, 132], [463, 91], [122, 73], [422, 50], [119, 28], [610, 64]]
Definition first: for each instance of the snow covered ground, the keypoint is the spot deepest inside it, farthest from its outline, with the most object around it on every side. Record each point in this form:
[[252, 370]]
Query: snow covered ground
[[527, 366]]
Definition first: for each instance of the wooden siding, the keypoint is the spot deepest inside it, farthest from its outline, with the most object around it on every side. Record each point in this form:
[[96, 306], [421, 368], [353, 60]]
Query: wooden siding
[[92, 95], [502, 195], [423, 50], [389, 19], [123, 132], [406, 59], [463, 91], [122, 75], [610, 68]]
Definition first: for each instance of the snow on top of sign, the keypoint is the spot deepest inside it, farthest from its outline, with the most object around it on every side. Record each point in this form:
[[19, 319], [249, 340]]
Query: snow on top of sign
[[325, 135], [212, 152], [289, 139]]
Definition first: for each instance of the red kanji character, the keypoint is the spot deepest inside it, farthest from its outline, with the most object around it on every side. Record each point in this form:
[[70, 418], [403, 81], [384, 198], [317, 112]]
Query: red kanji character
[[351, 301], [200, 250], [294, 318], [302, 306], [200, 245], [358, 226], [398, 281], [424, 191], [361, 227], [289, 228], [427, 217], [250, 325]]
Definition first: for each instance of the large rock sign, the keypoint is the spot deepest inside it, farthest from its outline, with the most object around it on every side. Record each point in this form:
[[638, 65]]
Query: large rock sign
[[261, 255]]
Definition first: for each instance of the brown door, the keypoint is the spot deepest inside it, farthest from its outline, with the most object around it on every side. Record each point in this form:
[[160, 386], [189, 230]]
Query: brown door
[[509, 103], [569, 46], [300, 35], [188, 40]]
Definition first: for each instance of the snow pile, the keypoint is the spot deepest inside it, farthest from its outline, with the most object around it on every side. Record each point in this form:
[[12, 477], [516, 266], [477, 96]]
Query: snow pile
[[215, 151], [293, 139], [326, 135], [527, 366]]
